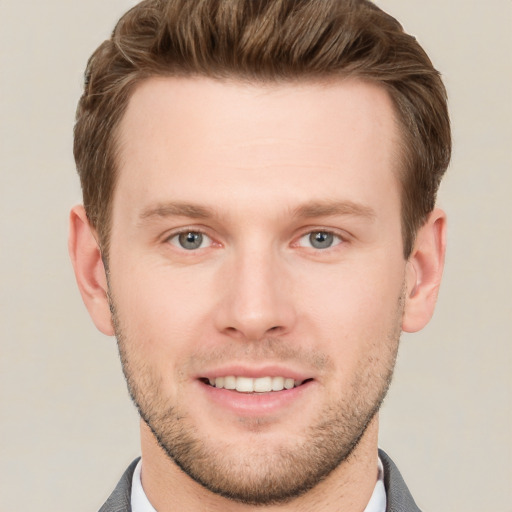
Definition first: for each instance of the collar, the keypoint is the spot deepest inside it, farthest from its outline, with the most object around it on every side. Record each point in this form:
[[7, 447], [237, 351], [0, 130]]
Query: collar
[[140, 502]]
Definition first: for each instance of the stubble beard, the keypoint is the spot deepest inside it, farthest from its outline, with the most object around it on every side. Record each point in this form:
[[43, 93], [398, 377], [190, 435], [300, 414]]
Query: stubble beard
[[262, 475]]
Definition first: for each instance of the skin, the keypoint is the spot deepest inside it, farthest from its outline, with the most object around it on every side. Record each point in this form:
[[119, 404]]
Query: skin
[[256, 169]]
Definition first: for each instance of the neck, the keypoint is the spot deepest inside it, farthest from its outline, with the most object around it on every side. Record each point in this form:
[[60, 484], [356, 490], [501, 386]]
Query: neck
[[348, 488]]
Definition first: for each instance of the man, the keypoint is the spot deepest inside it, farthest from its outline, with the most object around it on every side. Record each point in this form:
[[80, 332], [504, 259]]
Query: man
[[259, 226]]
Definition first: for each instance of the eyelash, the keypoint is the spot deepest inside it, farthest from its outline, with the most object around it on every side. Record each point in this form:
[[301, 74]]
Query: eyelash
[[176, 235], [338, 238]]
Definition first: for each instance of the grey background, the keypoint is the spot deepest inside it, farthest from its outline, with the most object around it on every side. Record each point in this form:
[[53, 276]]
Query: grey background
[[67, 427]]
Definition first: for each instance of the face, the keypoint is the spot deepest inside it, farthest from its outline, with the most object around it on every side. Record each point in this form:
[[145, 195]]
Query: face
[[256, 275]]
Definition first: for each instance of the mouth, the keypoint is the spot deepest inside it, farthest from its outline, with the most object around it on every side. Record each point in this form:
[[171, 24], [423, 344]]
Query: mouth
[[242, 384]]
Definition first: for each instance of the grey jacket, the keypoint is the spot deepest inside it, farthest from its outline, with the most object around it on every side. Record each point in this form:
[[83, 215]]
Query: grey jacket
[[399, 498]]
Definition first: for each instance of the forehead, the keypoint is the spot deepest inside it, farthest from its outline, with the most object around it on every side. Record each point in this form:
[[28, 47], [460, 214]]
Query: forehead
[[211, 141]]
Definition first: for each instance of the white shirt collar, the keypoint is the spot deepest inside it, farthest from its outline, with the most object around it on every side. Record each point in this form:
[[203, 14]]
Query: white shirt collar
[[140, 502], [378, 500]]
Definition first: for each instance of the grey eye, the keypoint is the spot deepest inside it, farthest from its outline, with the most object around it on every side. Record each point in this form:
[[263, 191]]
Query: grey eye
[[191, 240], [321, 239]]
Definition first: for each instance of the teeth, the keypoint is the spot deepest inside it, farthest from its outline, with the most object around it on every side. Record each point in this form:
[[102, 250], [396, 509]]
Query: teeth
[[230, 382], [244, 384], [289, 383], [259, 385], [263, 385], [277, 383]]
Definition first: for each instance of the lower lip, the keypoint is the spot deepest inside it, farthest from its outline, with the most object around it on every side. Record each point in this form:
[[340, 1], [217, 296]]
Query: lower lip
[[256, 404]]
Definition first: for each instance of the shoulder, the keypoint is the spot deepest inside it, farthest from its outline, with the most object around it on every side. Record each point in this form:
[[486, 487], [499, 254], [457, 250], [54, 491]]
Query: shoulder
[[120, 499]]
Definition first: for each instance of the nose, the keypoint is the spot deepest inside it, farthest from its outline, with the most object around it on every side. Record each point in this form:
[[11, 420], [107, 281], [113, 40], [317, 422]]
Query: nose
[[256, 296]]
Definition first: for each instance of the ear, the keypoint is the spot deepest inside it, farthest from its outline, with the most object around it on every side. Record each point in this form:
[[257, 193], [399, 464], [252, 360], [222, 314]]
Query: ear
[[89, 269], [424, 271]]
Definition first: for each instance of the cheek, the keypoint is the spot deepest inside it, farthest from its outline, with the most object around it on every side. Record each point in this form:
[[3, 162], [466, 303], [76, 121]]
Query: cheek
[[356, 312], [160, 313], [370, 289]]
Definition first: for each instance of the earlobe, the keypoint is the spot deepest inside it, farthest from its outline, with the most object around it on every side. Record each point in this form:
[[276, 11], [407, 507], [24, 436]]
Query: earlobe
[[89, 269], [424, 272]]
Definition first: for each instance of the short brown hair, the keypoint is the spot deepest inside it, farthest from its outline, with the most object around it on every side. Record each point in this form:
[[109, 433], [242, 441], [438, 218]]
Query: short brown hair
[[264, 40]]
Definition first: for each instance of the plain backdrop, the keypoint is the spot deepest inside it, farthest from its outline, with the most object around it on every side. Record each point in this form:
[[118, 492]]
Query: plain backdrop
[[67, 427]]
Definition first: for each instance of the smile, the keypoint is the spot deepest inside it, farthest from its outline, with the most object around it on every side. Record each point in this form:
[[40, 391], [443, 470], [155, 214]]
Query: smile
[[254, 385]]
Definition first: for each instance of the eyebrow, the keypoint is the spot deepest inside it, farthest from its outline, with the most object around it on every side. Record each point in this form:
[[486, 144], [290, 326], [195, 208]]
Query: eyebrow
[[177, 210], [308, 210], [331, 208]]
